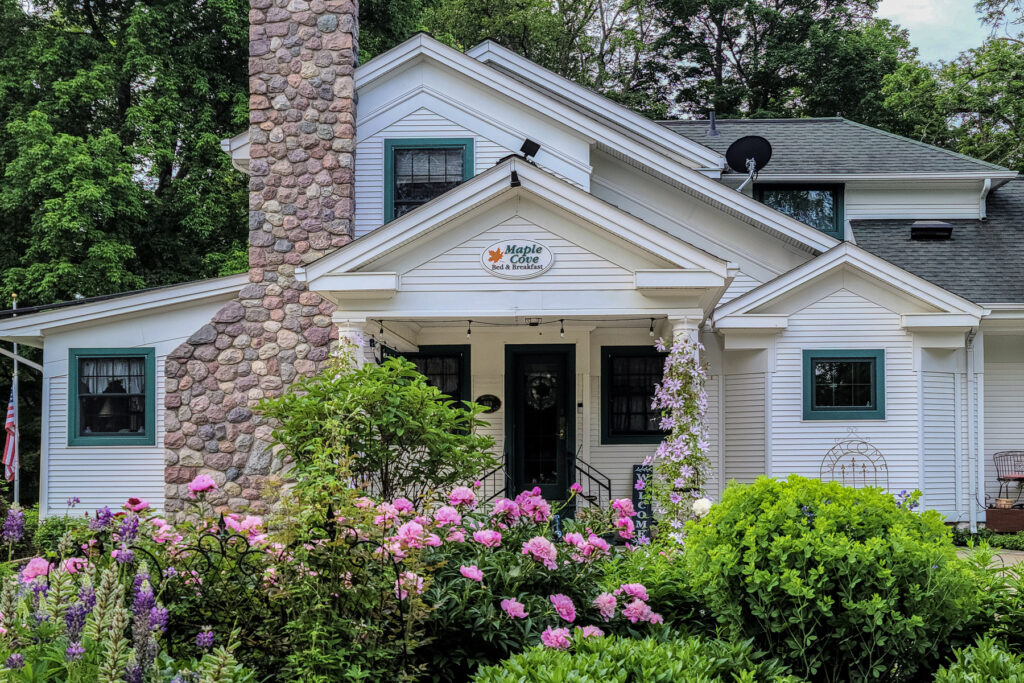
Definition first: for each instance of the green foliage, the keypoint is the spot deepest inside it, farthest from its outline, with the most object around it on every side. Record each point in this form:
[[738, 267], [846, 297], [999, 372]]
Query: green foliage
[[990, 661], [51, 530], [620, 660], [840, 583], [964, 537], [407, 437]]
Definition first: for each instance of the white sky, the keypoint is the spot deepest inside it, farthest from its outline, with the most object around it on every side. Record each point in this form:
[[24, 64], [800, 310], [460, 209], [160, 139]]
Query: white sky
[[940, 29]]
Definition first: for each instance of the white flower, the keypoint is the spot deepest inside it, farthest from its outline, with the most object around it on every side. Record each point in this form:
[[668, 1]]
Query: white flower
[[701, 507]]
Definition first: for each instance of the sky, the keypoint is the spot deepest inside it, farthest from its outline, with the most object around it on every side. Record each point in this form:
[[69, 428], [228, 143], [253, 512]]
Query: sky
[[940, 29]]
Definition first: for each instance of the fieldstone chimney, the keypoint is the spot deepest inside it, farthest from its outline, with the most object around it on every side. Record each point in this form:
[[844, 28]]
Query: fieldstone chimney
[[302, 55]]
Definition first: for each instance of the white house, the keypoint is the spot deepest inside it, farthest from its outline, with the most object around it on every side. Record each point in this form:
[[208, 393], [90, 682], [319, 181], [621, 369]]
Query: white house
[[865, 287]]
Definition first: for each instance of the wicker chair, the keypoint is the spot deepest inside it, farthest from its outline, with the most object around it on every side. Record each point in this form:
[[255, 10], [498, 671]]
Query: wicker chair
[[856, 463], [1009, 470]]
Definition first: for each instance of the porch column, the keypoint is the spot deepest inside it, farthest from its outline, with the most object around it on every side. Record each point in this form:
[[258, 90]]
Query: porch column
[[687, 326], [356, 335]]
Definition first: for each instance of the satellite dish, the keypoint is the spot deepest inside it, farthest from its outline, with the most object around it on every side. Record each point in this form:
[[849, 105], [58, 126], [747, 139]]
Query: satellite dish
[[748, 155]]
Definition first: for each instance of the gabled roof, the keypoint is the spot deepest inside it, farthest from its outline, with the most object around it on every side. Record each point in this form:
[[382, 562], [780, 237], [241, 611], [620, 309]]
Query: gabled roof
[[954, 308], [983, 261], [493, 183], [836, 146], [30, 328]]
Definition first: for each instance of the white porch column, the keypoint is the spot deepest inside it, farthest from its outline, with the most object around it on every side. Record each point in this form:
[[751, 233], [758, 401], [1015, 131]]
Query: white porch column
[[356, 334], [687, 326]]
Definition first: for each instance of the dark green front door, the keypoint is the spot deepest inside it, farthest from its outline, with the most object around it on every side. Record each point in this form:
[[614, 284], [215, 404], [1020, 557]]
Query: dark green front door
[[540, 394]]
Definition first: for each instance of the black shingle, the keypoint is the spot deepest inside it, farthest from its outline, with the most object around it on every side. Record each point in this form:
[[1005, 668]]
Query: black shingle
[[832, 146], [983, 262]]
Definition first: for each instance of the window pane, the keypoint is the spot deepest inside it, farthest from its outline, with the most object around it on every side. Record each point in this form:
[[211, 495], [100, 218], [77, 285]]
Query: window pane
[[631, 382], [422, 174], [816, 208], [112, 395], [443, 371], [843, 383]]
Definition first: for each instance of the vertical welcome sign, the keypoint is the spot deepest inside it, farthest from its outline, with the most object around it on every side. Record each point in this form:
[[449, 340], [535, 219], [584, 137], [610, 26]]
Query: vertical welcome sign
[[641, 503]]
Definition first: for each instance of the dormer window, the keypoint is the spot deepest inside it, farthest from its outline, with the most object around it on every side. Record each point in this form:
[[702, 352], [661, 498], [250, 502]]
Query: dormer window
[[819, 206], [417, 170]]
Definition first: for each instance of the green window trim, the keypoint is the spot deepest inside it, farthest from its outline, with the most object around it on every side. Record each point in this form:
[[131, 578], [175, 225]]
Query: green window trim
[[465, 370], [875, 412], [839, 221], [391, 144], [146, 439], [607, 438]]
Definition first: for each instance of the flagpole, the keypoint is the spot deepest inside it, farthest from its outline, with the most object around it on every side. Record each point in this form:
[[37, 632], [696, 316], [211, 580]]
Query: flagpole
[[17, 422]]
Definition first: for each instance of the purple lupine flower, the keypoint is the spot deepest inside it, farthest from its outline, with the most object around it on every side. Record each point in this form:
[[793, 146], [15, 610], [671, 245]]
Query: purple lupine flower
[[144, 600], [170, 573], [72, 502], [74, 651], [133, 674], [15, 661], [88, 598], [74, 619], [102, 519], [140, 578], [129, 528], [14, 525], [158, 619], [204, 639], [124, 555]]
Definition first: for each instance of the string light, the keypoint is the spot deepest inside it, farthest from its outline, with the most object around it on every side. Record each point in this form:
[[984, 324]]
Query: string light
[[469, 328], [650, 332], [561, 328]]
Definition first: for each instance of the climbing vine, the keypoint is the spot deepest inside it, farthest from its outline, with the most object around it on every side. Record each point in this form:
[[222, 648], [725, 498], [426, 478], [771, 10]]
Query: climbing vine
[[679, 467]]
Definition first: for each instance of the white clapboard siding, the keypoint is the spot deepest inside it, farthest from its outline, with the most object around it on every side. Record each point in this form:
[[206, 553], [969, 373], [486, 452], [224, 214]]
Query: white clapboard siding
[[940, 477], [101, 475], [844, 320], [1004, 416], [899, 200], [744, 427], [613, 460], [423, 123], [713, 483], [741, 284], [574, 266]]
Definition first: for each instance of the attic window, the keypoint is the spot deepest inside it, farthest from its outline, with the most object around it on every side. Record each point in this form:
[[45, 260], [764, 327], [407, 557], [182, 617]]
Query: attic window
[[922, 231], [417, 170], [819, 206]]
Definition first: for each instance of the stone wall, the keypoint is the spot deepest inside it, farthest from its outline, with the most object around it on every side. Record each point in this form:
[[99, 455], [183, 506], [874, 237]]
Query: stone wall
[[302, 55]]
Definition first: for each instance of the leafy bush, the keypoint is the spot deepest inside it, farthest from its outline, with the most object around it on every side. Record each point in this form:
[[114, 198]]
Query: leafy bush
[[987, 662], [841, 583], [408, 437], [964, 537], [620, 660], [49, 532]]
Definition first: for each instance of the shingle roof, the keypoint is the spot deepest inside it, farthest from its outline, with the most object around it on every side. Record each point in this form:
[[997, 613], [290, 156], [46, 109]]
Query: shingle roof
[[832, 145], [983, 262]]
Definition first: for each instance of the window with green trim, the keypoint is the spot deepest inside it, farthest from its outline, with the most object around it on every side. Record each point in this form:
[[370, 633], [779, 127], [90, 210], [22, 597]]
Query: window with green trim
[[819, 206], [445, 367], [844, 385], [112, 397], [628, 377], [417, 170]]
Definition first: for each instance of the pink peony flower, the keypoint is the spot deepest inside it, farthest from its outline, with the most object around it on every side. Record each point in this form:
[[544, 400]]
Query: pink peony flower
[[410, 535], [557, 638], [533, 506], [514, 609], [575, 539], [456, 536], [564, 607], [136, 504], [503, 507], [363, 502], [624, 506], [605, 604], [447, 515], [598, 545], [408, 581], [625, 527], [634, 590], [201, 483], [638, 610], [37, 566], [542, 550], [403, 505], [589, 632], [576, 488], [471, 572], [462, 495], [73, 565], [487, 537], [656, 618]]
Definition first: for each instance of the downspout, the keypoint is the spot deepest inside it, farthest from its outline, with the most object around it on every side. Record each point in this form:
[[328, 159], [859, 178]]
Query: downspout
[[972, 506], [986, 187]]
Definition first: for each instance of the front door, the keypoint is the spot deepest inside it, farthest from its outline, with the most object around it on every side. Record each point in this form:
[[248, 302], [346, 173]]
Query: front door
[[540, 429]]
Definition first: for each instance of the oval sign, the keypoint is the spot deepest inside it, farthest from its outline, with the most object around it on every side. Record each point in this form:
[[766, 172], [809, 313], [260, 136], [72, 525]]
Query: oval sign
[[517, 258]]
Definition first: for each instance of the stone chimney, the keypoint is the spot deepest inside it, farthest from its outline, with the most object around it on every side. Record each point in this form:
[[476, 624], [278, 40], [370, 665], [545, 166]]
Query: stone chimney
[[302, 55]]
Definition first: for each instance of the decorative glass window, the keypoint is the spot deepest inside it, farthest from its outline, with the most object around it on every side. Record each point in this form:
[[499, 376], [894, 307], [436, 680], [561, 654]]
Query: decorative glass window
[[418, 170], [445, 367], [819, 206], [628, 377], [844, 385], [111, 397]]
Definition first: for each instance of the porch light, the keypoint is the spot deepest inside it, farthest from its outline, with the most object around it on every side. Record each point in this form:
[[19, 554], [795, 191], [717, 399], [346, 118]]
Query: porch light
[[515, 180], [650, 332], [561, 328], [529, 148], [469, 328]]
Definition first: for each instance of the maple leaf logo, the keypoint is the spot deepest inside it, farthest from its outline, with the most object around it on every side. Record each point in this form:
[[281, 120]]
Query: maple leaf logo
[[494, 255]]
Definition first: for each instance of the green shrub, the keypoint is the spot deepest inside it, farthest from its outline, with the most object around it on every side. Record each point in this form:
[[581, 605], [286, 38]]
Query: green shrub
[[964, 537], [621, 660], [841, 583], [987, 662], [49, 532]]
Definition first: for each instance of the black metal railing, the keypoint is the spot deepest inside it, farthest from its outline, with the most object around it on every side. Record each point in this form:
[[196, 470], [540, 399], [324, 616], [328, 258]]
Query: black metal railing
[[597, 486], [496, 483]]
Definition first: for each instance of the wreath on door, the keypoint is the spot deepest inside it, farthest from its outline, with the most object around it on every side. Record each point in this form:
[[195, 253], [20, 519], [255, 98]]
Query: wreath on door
[[540, 391]]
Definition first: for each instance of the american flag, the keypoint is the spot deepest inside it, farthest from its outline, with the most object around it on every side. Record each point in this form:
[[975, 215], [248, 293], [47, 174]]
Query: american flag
[[11, 444]]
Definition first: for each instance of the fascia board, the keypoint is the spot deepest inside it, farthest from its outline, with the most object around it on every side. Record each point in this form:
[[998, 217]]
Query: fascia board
[[664, 279]]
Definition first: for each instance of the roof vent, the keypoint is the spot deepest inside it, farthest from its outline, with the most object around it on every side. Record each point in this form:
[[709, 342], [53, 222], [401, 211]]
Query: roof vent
[[922, 231], [712, 131]]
